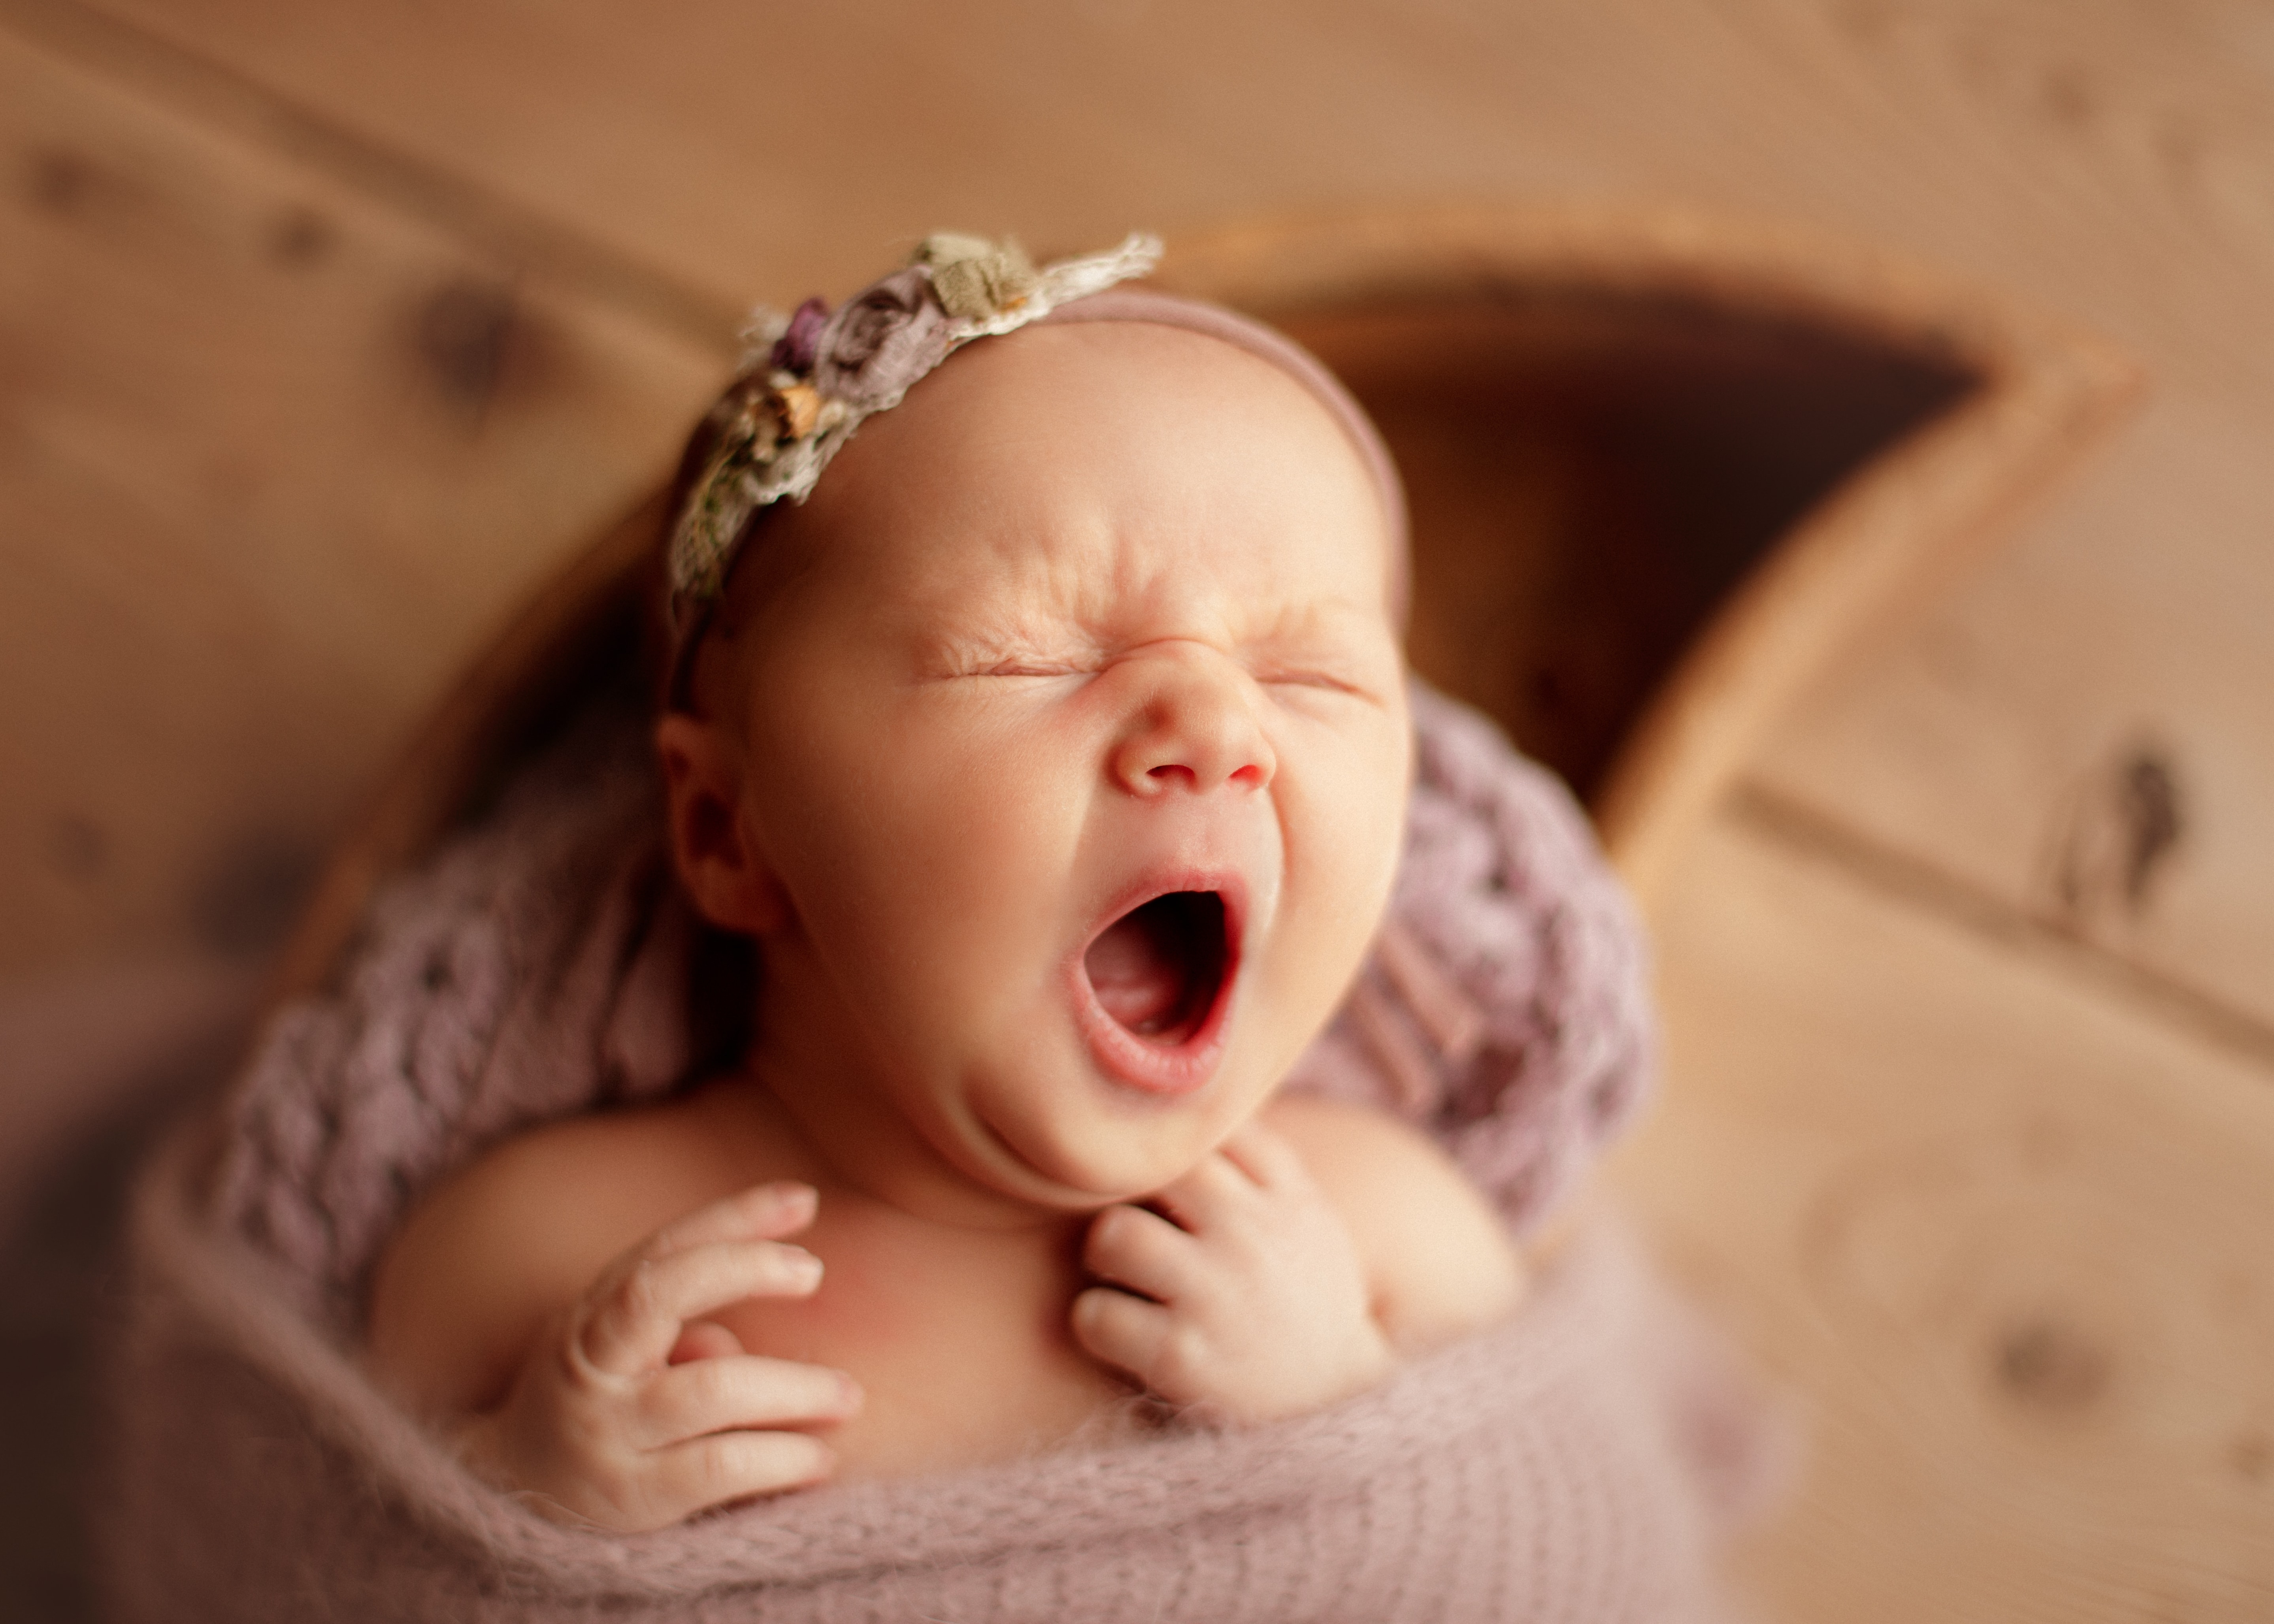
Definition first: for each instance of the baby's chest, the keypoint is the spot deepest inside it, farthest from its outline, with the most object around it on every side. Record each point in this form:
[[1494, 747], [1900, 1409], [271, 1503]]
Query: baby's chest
[[961, 1343]]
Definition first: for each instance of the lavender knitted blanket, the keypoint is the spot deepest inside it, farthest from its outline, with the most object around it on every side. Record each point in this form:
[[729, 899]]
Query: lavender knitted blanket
[[1572, 1463]]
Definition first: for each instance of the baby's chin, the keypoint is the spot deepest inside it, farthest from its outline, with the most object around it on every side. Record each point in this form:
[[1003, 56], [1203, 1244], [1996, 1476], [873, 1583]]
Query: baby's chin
[[1080, 1164], [1057, 1131]]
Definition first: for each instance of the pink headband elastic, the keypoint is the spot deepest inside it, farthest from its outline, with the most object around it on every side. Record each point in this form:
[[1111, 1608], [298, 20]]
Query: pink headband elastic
[[1169, 310]]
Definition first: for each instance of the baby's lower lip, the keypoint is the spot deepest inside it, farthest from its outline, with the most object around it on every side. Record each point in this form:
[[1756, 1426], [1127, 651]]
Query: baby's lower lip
[[1184, 1055]]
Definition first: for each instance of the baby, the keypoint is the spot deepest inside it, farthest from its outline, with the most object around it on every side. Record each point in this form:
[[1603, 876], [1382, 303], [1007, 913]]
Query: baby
[[1054, 753]]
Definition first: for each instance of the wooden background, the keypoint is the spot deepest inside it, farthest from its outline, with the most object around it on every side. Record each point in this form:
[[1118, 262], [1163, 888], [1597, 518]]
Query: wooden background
[[325, 328]]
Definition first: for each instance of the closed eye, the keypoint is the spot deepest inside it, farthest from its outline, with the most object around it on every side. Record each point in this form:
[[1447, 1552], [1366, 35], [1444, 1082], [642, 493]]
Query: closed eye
[[1028, 668], [1323, 680]]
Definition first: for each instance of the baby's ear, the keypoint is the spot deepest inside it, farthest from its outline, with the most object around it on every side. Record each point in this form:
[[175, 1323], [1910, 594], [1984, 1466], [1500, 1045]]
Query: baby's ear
[[725, 876]]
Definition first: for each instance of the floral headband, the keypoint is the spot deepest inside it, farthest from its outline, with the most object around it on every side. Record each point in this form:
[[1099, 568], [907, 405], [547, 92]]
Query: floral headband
[[807, 380]]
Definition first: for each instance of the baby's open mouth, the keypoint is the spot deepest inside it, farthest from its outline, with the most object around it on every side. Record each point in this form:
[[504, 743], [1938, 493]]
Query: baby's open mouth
[[1157, 970]]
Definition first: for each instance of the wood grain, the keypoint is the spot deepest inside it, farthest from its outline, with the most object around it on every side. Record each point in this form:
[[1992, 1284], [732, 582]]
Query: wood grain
[[1998, 1235], [332, 326], [2083, 733], [272, 459]]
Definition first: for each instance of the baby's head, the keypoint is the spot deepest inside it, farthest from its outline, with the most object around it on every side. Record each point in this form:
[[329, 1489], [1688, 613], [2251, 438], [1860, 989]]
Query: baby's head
[[1055, 751]]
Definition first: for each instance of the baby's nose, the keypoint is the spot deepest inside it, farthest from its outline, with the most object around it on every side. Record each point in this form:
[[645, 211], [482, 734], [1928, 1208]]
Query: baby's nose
[[1193, 726]]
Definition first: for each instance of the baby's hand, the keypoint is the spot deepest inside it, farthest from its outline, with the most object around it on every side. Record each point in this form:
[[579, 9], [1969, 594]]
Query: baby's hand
[[632, 1412], [1258, 1307]]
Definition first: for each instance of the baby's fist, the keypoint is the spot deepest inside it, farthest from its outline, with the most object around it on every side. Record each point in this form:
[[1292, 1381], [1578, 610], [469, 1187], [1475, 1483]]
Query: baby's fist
[[1242, 1297]]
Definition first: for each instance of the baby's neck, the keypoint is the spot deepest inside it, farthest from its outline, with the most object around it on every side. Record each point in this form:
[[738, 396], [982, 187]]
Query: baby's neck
[[850, 1139], [806, 1066]]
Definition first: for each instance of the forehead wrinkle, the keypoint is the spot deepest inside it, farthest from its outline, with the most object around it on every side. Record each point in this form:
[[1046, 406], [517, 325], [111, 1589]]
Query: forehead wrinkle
[[1078, 586], [1076, 555], [1022, 558]]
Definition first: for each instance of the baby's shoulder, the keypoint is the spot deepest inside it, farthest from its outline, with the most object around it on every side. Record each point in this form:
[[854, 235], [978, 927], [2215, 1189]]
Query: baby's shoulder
[[1439, 1259], [500, 1245], [599, 1171]]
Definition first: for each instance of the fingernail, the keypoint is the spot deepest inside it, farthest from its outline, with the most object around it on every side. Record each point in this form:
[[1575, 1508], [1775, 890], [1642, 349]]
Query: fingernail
[[849, 1395], [805, 1268]]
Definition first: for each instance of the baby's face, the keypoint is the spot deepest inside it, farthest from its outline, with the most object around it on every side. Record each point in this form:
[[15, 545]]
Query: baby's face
[[1075, 746]]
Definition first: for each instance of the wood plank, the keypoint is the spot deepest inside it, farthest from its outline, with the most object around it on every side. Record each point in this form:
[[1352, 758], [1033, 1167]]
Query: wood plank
[[2085, 733], [2109, 159], [2000, 1234], [2006, 135], [782, 150], [2082, 734], [272, 459]]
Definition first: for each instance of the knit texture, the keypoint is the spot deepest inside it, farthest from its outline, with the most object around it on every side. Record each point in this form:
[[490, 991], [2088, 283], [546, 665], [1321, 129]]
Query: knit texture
[[1568, 1464]]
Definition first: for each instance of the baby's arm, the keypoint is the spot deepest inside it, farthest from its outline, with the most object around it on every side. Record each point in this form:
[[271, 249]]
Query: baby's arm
[[1294, 1267], [618, 1405]]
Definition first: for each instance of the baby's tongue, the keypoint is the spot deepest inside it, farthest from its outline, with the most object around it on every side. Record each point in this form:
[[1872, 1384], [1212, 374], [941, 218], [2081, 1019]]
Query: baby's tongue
[[1138, 975]]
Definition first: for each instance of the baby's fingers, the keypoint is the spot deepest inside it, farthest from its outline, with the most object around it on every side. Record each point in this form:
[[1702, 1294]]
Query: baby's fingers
[[762, 1212], [1266, 1157], [1141, 1251], [1127, 1333], [746, 1391], [704, 1472], [1208, 1196], [632, 1319]]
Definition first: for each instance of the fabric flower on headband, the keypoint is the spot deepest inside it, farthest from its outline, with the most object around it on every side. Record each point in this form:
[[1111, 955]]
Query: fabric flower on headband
[[807, 380]]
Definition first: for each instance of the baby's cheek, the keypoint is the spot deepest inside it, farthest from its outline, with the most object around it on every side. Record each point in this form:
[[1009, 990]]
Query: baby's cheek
[[1347, 828]]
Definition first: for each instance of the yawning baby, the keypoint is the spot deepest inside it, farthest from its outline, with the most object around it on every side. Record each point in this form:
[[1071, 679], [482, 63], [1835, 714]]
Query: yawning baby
[[1049, 739]]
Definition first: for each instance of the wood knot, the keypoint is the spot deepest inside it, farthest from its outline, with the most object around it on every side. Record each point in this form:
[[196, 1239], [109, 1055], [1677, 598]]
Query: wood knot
[[60, 179], [2252, 1456], [2069, 97], [463, 335], [2116, 832], [78, 847], [250, 891], [2150, 797], [299, 238], [2050, 1367]]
